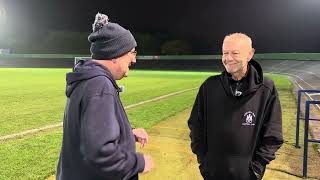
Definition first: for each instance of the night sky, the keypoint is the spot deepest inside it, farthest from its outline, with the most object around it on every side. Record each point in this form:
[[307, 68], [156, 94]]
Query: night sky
[[274, 25]]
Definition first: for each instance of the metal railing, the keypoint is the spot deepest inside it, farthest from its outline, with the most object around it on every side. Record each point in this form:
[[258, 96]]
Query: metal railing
[[306, 127]]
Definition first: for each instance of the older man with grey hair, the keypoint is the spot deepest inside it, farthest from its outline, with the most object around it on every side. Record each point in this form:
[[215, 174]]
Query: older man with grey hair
[[235, 123]]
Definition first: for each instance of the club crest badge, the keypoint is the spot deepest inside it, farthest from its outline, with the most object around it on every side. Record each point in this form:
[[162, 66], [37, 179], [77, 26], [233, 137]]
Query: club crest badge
[[249, 119]]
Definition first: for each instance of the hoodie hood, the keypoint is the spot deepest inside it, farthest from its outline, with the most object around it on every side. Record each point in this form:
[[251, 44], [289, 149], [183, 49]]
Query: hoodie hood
[[84, 70], [253, 78]]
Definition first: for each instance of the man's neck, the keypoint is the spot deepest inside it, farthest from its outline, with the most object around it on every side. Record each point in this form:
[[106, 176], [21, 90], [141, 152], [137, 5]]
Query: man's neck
[[108, 65]]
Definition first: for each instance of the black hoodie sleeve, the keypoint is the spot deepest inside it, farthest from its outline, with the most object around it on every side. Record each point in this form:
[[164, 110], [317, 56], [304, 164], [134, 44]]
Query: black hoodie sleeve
[[100, 137], [196, 125], [270, 139]]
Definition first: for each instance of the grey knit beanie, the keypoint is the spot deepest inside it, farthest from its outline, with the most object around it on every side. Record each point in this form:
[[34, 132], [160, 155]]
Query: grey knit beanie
[[109, 40]]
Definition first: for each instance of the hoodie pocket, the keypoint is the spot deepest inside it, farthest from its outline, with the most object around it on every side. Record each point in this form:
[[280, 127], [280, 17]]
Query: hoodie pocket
[[238, 167]]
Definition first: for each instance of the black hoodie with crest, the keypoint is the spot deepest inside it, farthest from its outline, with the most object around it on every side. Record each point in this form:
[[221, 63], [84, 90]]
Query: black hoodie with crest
[[236, 126]]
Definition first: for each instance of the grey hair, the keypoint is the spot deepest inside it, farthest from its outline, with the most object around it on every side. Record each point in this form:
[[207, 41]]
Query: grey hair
[[241, 36]]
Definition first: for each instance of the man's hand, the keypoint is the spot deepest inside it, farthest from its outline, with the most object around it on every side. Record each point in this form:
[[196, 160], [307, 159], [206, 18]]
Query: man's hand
[[141, 136], [148, 163]]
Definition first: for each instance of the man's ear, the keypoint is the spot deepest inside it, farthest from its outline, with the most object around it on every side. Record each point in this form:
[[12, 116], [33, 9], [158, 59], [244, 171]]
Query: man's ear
[[251, 53], [114, 61]]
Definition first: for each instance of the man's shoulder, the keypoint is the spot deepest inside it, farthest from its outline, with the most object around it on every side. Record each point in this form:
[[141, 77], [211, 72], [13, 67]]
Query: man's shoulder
[[99, 81], [213, 79], [268, 83], [99, 85]]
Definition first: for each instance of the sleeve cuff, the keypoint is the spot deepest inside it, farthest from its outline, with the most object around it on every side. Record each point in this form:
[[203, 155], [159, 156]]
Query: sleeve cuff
[[258, 169]]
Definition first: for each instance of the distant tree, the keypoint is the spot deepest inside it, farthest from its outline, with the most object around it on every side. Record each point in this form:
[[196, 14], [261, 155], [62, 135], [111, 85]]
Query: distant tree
[[66, 42], [176, 47], [19, 44], [53, 42], [148, 44]]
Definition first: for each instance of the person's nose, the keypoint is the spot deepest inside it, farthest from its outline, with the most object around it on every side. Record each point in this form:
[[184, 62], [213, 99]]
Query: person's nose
[[228, 57], [134, 60]]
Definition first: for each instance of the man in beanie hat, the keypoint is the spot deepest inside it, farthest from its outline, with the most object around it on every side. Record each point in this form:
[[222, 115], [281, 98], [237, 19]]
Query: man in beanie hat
[[98, 141]]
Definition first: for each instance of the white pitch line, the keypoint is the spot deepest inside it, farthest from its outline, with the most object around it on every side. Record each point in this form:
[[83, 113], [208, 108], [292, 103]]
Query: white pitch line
[[302, 87], [315, 94], [300, 79], [158, 98], [31, 131], [53, 126], [280, 64]]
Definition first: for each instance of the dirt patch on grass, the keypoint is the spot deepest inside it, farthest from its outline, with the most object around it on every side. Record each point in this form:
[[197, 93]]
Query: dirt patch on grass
[[170, 148]]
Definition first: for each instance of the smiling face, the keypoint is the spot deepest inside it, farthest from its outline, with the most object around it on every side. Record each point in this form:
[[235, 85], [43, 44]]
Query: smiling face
[[236, 53]]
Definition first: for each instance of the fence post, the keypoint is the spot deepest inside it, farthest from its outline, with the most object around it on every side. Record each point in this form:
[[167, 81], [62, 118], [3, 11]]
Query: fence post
[[306, 139], [298, 119]]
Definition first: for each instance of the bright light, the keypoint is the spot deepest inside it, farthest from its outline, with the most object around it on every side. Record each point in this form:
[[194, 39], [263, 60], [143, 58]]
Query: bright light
[[2, 16], [3, 24]]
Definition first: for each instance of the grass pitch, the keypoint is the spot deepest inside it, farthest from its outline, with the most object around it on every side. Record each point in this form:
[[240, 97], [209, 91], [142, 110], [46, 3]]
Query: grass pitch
[[35, 97]]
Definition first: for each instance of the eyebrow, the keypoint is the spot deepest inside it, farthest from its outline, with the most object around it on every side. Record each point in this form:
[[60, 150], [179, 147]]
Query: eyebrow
[[232, 51]]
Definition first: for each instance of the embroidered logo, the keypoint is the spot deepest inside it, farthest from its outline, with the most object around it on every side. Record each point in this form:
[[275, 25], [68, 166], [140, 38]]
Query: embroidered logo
[[237, 93], [249, 119]]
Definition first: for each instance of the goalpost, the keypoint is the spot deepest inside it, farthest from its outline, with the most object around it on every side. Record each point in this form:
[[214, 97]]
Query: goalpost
[[76, 59]]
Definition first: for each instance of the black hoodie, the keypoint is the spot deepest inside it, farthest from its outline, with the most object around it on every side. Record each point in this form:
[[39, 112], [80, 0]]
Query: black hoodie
[[235, 135], [98, 142]]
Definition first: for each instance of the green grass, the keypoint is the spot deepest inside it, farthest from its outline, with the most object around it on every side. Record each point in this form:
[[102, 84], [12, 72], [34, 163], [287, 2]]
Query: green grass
[[30, 98], [281, 81], [144, 85], [33, 98], [35, 157], [150, 114]]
